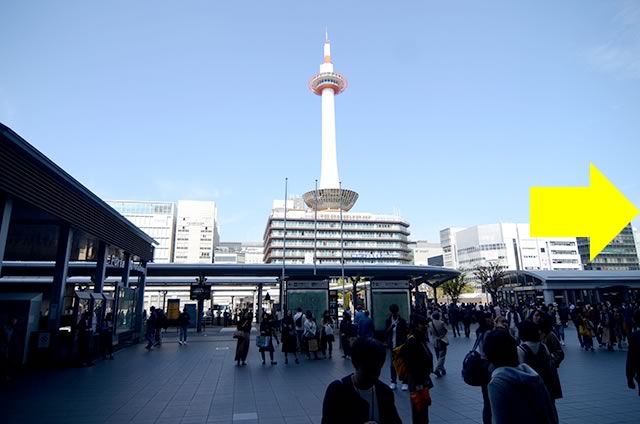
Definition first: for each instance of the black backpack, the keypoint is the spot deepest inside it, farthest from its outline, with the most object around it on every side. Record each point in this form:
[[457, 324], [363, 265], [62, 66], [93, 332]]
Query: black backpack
[[475, 368]]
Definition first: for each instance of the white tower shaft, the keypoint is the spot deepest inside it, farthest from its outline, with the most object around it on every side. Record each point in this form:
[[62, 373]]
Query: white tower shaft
[[329, 168]]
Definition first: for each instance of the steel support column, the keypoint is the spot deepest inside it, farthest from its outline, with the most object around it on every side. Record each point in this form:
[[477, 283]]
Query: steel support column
[[142, 281], [259, 303], [65, 238], [101, 267], [6, 205]]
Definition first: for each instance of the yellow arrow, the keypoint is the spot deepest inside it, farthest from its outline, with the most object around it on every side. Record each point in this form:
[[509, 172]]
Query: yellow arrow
[[599, 211]]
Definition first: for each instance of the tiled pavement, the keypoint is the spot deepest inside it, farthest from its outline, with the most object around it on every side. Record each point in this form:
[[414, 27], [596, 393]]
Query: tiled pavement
[[200, 384]]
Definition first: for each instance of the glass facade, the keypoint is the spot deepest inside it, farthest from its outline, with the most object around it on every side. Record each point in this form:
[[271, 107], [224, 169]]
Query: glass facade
[[619, 255]]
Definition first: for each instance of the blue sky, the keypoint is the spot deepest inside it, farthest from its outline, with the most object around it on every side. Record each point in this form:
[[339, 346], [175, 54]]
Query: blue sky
[[453, 111]]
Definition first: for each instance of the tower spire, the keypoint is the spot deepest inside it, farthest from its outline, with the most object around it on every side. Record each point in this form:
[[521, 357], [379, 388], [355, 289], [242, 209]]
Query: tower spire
[[328, 84]]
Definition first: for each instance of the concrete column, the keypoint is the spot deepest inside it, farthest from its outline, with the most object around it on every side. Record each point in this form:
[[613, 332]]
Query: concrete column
[[65, 238], [548, 296], [142, 281], [259, 320], [6, 205], [565, 295], [101, 267]]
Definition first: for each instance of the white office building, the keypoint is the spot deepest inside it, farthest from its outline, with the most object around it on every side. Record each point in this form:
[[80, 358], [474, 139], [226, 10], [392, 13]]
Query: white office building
[[423, 250], [196, 232], [510, 245], [157, 219], [366, 238], [239, 253]]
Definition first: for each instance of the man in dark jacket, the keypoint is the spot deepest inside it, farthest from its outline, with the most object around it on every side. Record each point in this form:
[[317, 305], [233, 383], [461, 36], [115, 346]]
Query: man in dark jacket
[[419, 363], [361, 398], [633, 355], [396, 331], [150, 335], [183, 323]]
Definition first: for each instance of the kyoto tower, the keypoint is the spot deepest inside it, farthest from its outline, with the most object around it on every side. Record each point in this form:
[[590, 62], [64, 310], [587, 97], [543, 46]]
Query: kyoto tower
[[329, 195]]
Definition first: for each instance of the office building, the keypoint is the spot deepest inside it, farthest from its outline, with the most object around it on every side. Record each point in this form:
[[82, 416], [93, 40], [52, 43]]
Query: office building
[[619, 255], [423, 250], [239, 253], [510, 245], [196, 232], [156, 219]]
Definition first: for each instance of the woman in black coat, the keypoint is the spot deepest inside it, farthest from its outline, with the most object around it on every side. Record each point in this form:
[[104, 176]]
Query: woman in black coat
[[242, 348], [289, 338], [419, 363], [267, 332], [346, 332]]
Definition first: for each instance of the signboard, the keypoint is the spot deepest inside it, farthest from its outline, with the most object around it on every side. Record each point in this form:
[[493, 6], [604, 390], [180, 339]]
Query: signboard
[[193, 314], [309, 300], [173, 309], [333, 305], [381, 302], [323, 284], [200, 292], [378, 284]]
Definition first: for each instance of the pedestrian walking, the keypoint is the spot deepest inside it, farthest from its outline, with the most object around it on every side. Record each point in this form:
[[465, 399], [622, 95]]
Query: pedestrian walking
[[633, 355], [467, 318], [396, 330], [267, 335], [485, 325], [361, 398], [439, 331], [326, 334], [517, 393], [585, 329], [150, 335], [161, 323], [183, 323], [365, 326], [419, 362], [84, 340], [106, 336], [289, 338], [310, 336], [346, 333], [536, 354], [242, 346], [455, 316]]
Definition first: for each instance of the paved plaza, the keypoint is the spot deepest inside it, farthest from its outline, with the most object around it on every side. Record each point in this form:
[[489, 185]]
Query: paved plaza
[[199, 383]]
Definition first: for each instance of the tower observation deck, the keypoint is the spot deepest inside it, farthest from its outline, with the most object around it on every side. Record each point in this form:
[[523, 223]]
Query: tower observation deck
[[329, 195]]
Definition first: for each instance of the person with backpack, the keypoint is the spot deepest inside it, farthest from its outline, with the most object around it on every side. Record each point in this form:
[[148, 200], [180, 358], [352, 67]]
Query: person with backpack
[[396, 330], [419, 367], [517, 393], [326, 334], [585, 329], [183, 324], [267, 334], [310, 335], [536, 354], [346, 332], [361, 398], [513, 320], [485, 325], [439, 331]]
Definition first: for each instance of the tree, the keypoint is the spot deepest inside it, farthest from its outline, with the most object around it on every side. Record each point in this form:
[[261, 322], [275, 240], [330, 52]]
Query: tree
[[454, 288], [491, 277]]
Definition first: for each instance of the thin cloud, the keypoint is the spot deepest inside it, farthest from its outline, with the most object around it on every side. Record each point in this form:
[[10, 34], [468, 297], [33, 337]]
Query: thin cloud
[[619, 55]]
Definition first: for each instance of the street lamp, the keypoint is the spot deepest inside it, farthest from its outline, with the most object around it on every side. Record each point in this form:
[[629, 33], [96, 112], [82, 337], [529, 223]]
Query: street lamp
[[164, 298]]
